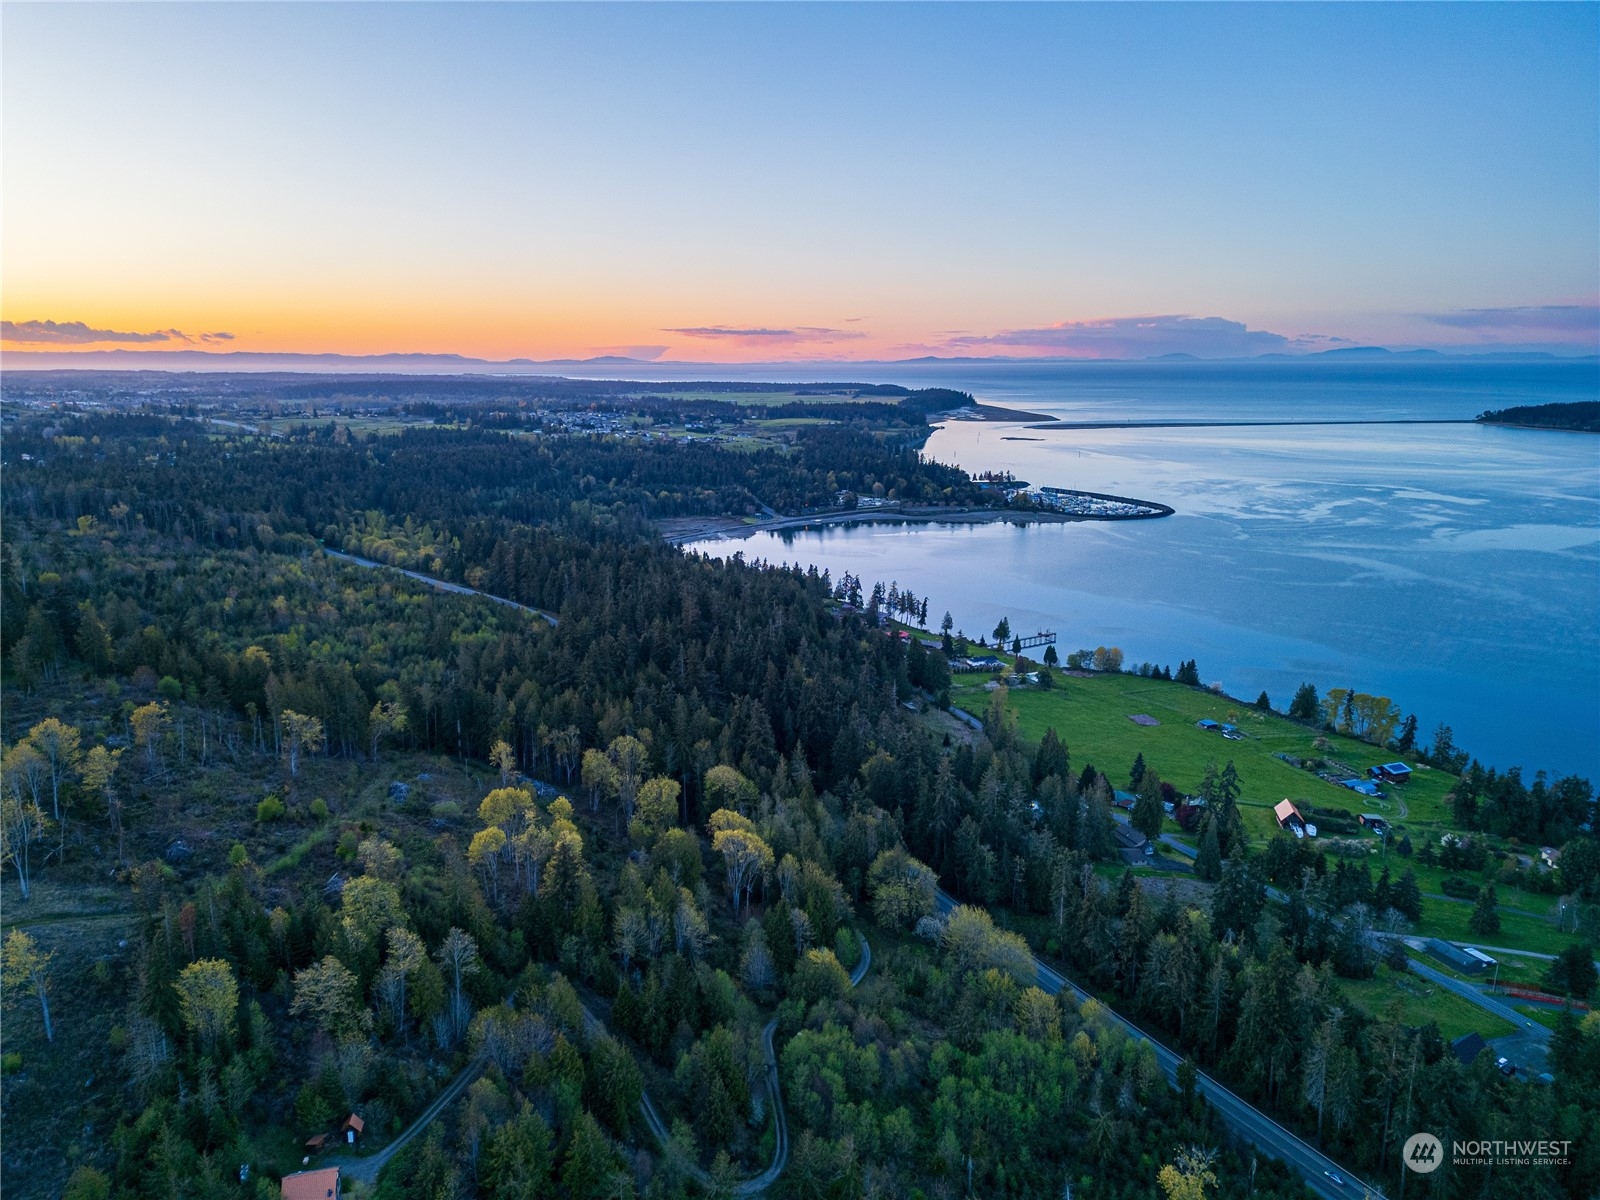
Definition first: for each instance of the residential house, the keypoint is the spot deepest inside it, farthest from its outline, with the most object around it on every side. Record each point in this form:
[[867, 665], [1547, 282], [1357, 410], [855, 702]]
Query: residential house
[[321, 1184]]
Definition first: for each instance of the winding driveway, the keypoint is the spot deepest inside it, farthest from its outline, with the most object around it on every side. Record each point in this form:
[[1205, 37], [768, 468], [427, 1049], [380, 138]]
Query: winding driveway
[[780, 1118], [366, 1170], [460, 589]]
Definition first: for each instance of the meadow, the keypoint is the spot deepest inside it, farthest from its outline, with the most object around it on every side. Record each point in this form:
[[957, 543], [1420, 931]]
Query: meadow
[[1091, 714]]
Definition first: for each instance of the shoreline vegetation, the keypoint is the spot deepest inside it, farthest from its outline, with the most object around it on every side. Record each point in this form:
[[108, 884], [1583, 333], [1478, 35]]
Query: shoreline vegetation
[[1578, 417], [683, 530]]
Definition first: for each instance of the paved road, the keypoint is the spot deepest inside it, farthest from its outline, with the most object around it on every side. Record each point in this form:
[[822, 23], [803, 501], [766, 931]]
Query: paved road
[[1243, 1118], [459, 589], [1181, 846], [1474, 993], [863, 966]]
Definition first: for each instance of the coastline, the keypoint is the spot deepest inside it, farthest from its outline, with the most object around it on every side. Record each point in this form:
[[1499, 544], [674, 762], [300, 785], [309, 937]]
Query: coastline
[[678, 531]]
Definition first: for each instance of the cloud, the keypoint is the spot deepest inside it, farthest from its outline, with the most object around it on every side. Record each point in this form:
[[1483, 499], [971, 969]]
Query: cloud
[[76, 333], [1544, 318], [763, 336], [1139, 337]]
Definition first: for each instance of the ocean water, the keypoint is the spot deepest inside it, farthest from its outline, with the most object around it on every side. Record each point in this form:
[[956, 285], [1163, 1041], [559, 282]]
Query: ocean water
[[1454, 568]]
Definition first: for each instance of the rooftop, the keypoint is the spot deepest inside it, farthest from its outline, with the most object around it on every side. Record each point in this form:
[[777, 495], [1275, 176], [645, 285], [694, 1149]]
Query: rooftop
[[322, 1184]]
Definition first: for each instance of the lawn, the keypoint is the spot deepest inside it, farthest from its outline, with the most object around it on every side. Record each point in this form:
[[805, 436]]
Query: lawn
[[1091, 716], [1421, 1002], [1444, 919], [1431, 879]]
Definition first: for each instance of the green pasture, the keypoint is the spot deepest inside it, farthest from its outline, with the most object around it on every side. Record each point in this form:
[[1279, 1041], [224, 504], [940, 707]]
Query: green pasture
[[1421, 1002], [1092, 716], [1431, 880]]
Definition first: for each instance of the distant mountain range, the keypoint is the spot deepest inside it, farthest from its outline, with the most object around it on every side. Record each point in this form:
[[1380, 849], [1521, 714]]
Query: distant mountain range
[[255, 360]]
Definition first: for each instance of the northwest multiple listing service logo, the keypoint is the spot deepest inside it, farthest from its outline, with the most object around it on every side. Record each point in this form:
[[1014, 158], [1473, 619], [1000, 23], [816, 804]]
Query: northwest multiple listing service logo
[[1424, 1153]]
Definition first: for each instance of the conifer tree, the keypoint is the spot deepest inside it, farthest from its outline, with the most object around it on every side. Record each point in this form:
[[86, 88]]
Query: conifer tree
[[1208, 863]]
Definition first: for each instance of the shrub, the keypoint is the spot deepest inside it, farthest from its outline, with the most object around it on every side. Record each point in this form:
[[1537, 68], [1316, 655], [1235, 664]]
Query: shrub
[[238, 855], [87, 1183], [169, 689], [10, 1063], [319, 809], [1461, 889], [271, 809]]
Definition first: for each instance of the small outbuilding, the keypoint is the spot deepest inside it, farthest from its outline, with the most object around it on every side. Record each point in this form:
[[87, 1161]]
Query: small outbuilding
[[352, 1129], [1208, 725], [1374, 822], [1467, 1047], [322, 1184], [1395, 772]]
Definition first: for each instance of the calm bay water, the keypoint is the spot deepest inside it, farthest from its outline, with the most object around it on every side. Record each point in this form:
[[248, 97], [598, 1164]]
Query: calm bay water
[[1453, 568]]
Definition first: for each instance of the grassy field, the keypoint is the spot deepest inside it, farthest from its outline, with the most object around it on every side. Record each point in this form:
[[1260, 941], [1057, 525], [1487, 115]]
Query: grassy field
[[1421, 1002], [1445, 919], [1091, 716]]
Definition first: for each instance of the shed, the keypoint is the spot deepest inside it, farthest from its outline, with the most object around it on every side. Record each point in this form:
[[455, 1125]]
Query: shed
[[352, 1128], [1287, 814], [1121, 799], [1374, 822], [1208, 724], [1453, 956], [322, 1184], [317, 1143], [1467, 1047], [1395, 772], [1363, 786]]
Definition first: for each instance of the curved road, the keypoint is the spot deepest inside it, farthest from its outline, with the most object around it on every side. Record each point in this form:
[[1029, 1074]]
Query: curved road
[[1249, 1122], [780, 1119]]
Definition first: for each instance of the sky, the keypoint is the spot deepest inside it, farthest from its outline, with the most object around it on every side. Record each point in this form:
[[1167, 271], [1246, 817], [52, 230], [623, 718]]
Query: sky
[[794, 182]]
